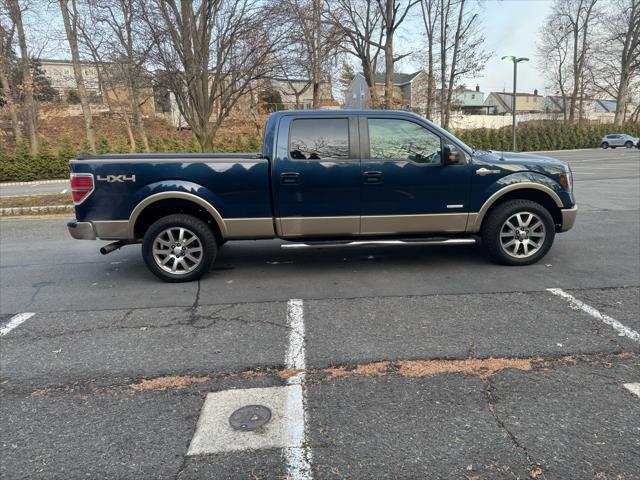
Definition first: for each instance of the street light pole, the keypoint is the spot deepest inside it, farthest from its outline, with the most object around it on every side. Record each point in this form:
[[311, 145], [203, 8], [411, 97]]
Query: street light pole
[[513, 107], [515, 60]]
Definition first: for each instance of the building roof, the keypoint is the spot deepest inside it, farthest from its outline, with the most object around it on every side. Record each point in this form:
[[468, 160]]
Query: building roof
[[398, 78], [608, 105]]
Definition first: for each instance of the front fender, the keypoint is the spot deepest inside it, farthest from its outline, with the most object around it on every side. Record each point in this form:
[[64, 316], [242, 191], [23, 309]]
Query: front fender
[[488, 194]]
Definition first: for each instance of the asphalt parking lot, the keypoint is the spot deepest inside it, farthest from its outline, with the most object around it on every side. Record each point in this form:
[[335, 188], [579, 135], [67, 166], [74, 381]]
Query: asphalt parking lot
[[395, 362]]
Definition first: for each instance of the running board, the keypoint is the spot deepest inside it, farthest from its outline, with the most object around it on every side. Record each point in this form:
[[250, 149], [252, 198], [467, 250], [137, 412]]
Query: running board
[[360, 243]]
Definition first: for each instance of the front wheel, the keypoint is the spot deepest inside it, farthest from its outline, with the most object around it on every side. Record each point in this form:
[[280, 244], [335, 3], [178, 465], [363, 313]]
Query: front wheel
[[605, 145], [518, 232], [629, 144], [179, 248]]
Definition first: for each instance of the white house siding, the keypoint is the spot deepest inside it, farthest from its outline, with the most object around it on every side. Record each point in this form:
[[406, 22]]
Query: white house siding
[[357, 94]]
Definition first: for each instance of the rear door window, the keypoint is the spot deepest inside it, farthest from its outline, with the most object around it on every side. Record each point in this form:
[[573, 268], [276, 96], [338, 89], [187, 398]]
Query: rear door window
[[319, 139]]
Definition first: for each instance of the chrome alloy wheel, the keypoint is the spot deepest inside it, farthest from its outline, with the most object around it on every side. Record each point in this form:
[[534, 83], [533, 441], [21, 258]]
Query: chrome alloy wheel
[[177, 250], [522, 235]]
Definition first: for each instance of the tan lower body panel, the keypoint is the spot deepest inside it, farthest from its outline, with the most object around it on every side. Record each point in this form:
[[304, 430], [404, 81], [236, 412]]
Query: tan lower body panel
[[431, 223], [250, 228], [318, 226]]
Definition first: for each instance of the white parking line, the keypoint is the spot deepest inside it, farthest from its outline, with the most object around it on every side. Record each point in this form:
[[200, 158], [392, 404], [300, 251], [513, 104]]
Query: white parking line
[[633, 388], [622, 330], [15, 321], [298, 457]]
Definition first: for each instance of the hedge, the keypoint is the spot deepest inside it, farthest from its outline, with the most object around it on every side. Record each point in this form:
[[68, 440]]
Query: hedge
[[543, 136], [20, 165]]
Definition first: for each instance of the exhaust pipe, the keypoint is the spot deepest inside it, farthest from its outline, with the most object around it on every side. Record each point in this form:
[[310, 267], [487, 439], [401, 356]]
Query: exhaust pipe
[[112, 247]]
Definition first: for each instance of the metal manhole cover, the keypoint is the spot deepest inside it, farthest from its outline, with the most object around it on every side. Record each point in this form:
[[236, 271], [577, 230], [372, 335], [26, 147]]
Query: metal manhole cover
[[249, 418]]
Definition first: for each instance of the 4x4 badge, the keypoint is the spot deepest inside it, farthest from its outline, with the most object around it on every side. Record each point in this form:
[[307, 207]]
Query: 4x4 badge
[[117, 178]]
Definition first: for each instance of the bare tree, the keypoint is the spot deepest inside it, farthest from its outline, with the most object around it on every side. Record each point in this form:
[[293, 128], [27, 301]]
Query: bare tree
[[430, 15], [461, 52], [211, 51], [31, 114], [126, 51], [8, 90], [311, 44], [70, 19], [553, 52], [393, 14], [617, 61], [360, 23], [576, 19]]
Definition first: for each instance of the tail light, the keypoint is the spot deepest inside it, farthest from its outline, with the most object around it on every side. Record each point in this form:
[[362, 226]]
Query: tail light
[[81, 186]]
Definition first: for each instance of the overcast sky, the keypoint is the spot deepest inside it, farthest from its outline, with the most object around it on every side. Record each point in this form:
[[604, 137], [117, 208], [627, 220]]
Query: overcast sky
[[511, 27]]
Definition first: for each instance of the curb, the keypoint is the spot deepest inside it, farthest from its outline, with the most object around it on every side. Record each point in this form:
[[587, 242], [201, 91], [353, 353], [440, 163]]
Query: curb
[[47, 209], [34, 182]]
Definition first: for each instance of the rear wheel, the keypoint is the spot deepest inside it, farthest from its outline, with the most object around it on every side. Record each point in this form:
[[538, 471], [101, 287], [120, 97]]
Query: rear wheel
[[518, 232], [179, 248], [628, 144], [605, 145]]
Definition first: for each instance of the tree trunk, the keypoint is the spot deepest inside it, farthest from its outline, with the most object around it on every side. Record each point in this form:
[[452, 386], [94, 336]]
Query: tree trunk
[[137, 117], [72, 37], [622, 96], [8, 96], [317, 55], [369, 73], [27, 78], [127, 125], [443, 60], [388, 53]]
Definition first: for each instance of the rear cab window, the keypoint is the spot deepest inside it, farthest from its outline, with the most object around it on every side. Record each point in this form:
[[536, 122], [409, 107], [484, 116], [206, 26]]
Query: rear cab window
[[319, 139]]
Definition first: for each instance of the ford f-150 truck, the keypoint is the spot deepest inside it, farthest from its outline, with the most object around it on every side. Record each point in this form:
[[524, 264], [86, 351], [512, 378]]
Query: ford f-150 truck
[[337, 177]]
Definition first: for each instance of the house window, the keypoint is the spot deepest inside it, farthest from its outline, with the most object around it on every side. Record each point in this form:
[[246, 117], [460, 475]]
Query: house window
[[66, 71], [473, 96]]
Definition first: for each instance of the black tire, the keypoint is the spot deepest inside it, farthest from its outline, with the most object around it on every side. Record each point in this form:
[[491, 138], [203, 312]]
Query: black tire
[[495, 222], [196, 228], [605, 145], [628, 144]]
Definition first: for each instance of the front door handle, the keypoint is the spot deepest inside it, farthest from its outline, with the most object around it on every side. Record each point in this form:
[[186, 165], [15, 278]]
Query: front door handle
[[373, 177], [485, 171], [289, 178]]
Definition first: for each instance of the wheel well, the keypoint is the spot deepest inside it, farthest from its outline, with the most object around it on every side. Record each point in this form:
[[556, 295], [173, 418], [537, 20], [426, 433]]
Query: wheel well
[[530, 194], [169, 206]]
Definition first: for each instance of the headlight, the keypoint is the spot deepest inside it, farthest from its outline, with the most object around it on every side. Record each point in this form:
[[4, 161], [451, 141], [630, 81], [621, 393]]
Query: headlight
[[566, 180]]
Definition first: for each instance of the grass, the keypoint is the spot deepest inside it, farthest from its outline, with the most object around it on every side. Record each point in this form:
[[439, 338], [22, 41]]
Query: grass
[[36, 200]]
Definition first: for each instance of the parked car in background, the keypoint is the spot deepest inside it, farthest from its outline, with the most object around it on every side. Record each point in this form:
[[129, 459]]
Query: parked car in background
[[342, 177], [619, 140]]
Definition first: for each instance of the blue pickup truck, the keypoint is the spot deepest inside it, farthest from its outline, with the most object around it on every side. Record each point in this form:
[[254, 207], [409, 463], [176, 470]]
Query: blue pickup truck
[[324, 177]]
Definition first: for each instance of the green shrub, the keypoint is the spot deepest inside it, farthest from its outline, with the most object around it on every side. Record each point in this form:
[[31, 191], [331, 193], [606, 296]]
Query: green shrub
[[102, 145]]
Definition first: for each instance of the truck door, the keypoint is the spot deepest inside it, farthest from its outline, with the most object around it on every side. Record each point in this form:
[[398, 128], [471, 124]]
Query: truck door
[[316, 176], [406, 189]]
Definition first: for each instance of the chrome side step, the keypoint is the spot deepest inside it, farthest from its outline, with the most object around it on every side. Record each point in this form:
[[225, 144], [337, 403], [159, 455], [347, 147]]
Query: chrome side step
[[360, 243]]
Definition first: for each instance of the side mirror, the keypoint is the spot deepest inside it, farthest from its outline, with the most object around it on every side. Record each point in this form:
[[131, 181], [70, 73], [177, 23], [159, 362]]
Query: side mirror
[[452, 155]]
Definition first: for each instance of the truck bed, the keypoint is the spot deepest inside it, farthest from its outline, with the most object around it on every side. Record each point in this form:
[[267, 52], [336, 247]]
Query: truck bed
[[237, 183]]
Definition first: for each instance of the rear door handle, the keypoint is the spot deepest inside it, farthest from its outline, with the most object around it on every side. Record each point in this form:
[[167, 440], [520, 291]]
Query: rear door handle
[[289, 178], [372, 177]]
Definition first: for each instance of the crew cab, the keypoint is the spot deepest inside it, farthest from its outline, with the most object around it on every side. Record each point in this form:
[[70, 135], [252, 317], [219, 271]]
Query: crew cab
[[324, 177]]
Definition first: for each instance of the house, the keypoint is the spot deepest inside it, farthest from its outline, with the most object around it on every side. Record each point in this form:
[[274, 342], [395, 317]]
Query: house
[[61, 77], [357, 95], [468, 101], [557, 104], [501, 103], [297, 93]]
